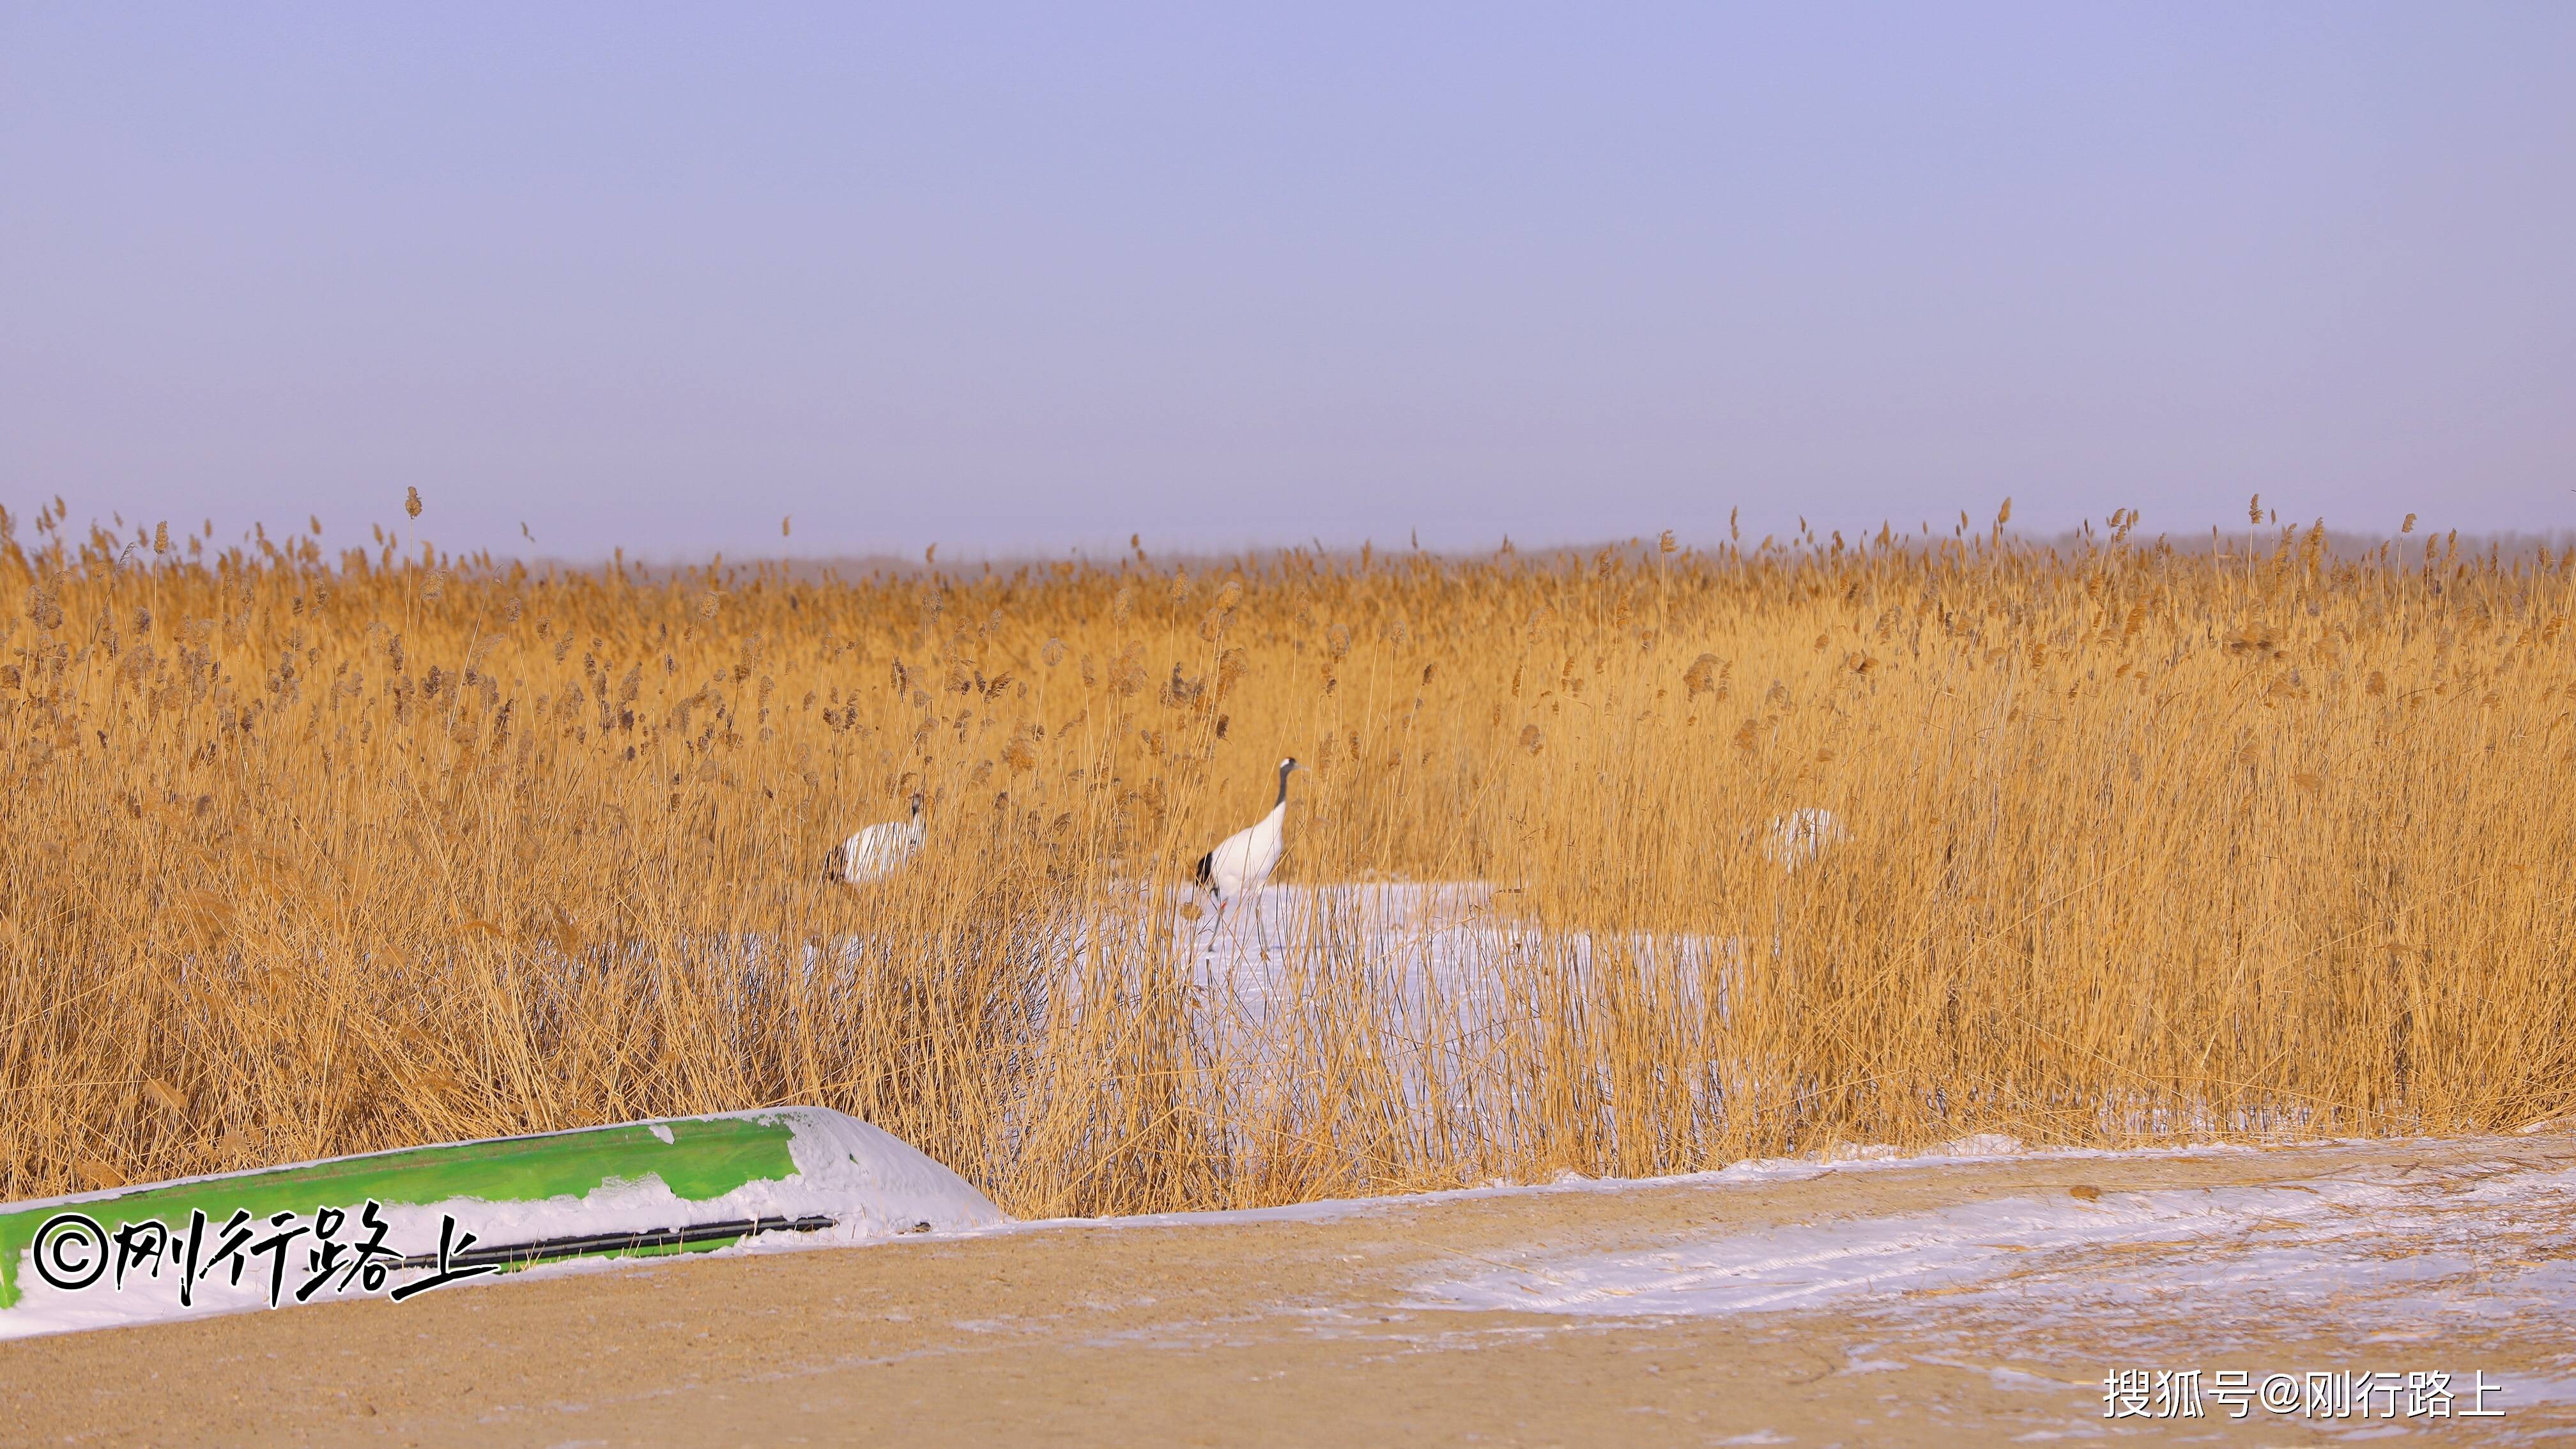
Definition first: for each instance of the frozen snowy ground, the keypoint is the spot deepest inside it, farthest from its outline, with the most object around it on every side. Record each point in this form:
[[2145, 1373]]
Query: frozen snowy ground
[[1977, 1297], [1454, 938], [2405, 1251], [1457, 991], [1453, 935], [1443, 975]]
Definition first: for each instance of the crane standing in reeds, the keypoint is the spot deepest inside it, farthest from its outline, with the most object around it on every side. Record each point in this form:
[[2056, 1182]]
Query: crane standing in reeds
[[1243, 860]]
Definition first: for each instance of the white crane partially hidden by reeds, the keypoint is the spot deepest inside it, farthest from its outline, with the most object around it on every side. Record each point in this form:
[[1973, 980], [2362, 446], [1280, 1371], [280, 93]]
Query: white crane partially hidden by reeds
[[876, 852], [1243, 860], [1798, 837], [1793, 840]]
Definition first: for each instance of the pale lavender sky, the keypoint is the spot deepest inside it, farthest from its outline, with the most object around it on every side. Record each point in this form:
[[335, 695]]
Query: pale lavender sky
[[1032, 279]]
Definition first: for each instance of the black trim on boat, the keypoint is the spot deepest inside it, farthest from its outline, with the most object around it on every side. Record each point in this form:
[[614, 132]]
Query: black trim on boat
[[520, 1255]]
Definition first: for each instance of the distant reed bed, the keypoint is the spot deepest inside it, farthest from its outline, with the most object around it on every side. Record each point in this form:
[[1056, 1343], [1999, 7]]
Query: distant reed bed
[[304, 854]]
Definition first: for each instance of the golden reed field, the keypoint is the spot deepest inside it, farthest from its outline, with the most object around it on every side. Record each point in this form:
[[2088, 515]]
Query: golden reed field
[[307, 853]]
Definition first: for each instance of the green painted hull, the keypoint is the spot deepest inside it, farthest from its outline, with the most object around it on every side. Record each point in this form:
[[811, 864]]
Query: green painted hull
[[402, 1223], [698, 1159]]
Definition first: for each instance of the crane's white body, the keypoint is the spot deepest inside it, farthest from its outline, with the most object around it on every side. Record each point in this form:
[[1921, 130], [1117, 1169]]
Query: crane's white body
[[1243, 860], [1800, 836], [878, 851]]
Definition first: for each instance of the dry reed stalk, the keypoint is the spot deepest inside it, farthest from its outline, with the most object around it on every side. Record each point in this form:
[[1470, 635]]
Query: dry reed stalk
[[305, 855]]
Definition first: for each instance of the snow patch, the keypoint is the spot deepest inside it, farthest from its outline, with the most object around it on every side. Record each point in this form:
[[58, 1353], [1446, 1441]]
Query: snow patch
[[1751, 1170], [2494, 1241]]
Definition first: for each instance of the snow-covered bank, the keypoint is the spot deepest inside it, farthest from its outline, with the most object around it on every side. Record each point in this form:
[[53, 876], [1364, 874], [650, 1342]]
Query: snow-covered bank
[[2392, 1247], [1980, 1150]]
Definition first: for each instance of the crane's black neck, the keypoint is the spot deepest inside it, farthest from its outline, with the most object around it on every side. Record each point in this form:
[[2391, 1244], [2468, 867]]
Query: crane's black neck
[[1283, 786]]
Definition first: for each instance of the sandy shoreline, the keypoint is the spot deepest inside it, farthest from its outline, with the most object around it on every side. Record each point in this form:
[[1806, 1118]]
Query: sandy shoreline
[[1330, 1327]]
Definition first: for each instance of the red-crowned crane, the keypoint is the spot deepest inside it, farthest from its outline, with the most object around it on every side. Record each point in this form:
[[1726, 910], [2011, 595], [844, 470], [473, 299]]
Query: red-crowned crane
[[1243, 860]]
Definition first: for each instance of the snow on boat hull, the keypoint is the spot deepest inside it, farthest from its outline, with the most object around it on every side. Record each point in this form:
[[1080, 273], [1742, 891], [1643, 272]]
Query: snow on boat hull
[[397, 1223]]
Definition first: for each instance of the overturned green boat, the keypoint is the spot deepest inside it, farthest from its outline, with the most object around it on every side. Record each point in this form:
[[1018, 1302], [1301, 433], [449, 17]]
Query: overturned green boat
[[398, 1224]]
